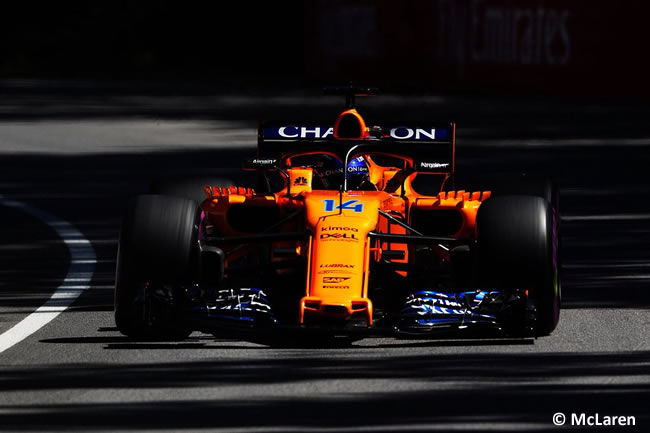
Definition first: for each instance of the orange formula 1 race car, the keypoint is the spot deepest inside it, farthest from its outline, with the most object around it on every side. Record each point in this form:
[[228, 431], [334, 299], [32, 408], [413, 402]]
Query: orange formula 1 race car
[[363, 234]]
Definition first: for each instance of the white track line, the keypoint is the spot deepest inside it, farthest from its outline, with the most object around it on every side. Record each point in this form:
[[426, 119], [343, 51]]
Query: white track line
[[80, 273]]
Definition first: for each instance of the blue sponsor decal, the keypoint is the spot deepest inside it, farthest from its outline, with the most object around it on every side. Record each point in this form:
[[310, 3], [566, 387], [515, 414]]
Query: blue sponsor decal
[[428, 322], [346, 205], [246, 304], [295, 132], [427, 308], [419, 134]]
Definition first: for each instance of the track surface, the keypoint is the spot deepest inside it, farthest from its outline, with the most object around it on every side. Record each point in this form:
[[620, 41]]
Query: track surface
[[80, 155]]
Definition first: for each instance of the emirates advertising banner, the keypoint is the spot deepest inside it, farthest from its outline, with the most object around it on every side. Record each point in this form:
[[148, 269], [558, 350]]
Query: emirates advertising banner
[[565, 47]]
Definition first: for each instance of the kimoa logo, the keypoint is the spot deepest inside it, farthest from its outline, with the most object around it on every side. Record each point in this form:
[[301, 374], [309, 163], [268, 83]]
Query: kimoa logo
[[343, 229], [336, 265]]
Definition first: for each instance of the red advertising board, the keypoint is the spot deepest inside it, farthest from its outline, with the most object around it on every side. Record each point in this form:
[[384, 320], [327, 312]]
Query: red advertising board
[[567, 47]]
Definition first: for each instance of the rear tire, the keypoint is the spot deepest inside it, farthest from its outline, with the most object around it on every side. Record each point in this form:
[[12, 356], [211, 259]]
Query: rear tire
[[158, 250], [518, 249]]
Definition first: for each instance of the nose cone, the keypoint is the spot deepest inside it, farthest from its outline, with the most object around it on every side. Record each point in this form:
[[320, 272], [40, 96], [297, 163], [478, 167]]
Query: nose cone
[[339, 253]]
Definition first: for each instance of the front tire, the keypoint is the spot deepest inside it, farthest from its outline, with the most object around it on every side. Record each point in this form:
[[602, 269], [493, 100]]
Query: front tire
[[157, 254], [518, 249]]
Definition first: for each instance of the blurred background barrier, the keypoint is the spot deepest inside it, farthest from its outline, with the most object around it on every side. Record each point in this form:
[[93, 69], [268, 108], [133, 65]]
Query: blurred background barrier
[[166, 40], [576, 48]]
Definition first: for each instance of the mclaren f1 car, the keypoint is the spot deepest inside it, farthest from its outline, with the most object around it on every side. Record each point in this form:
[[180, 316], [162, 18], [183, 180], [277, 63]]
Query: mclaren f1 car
[[364, 233]]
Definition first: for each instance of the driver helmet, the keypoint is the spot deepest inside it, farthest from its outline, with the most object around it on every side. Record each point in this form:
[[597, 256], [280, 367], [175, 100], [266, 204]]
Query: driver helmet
[[357, 167], [358, 174]]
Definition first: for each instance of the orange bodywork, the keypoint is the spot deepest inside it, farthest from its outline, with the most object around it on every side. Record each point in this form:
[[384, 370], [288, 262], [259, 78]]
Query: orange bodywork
[[362, 128], [338, 249]]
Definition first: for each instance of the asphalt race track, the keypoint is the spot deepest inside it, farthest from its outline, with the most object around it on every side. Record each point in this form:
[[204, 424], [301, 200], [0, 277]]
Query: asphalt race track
[[79, 153]]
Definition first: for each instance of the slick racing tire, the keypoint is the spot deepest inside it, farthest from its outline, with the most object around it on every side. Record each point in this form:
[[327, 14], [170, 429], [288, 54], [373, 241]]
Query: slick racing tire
[[191, 188], [518, 249], [157, 253]]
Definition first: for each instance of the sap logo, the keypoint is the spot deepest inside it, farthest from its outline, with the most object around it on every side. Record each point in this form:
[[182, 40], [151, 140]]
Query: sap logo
[[346, 205], [305, 132], [338, 236], [344, 229], [300, 181], [334, 280], [403, 133]]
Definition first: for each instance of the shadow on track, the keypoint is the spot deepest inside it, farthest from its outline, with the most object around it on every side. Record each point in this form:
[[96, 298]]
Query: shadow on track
[[473, 388], [602, 175], [121, 342]]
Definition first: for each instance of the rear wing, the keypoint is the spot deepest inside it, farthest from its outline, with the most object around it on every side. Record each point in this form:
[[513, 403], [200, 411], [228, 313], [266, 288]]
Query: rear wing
[[432, 148]]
